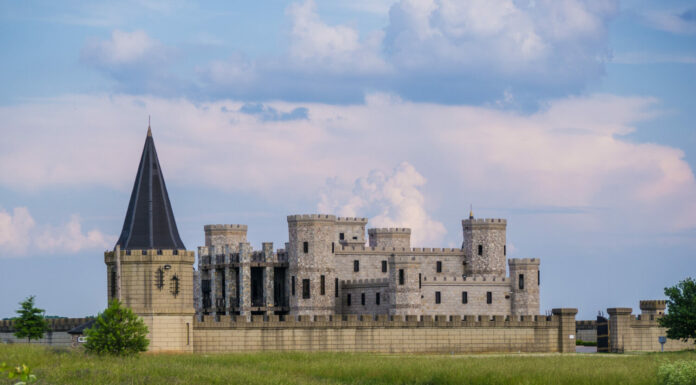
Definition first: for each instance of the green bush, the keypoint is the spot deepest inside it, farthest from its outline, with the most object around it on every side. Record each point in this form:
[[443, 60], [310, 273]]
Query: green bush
[[677, 373], [117, 331]]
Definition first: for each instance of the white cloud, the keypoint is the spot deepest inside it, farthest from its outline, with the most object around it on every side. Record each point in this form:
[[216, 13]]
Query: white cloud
[[572, 153], [19, 235], [681, 22], [123, 49], [391, 199]]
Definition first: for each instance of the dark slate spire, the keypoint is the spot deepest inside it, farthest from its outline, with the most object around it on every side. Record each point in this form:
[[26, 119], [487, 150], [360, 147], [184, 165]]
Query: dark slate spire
[[149, 220]]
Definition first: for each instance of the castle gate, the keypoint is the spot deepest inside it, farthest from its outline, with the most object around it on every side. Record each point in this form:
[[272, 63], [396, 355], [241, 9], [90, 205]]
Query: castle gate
[[602, 334]]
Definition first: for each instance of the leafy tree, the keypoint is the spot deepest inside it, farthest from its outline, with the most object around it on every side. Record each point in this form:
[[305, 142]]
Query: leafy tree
[[30, 323], [117, 331], [680, 319]]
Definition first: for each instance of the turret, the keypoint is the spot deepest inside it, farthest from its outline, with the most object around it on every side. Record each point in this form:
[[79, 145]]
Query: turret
[[311, 265], [390, 237], [350, 231], [484, 246], [652, 308], [524, 278], [405, 284], [222, 235]]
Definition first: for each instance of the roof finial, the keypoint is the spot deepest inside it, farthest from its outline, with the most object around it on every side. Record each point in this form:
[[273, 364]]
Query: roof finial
[[471, 211], [149, 131]]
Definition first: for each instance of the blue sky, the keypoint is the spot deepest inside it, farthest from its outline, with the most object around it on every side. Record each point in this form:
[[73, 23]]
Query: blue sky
[[572, 119]]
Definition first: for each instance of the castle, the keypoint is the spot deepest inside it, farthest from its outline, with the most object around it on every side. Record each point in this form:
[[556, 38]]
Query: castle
[[327, 290]]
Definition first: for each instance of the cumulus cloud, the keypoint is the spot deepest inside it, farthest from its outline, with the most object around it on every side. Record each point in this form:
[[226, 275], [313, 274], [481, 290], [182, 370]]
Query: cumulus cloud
[[20, 235], [391, 199], [123, 49], [573, 153], [681, 22]]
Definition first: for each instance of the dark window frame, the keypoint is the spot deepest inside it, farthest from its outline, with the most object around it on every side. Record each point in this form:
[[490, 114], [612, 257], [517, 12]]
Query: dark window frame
[[520, 281], [305, 247], [438, 266], [465, 297], [348, 299], [341, 236], [292, 285], [322, 285], [489, 297], [362, 299], [306, 289], [480, 249], [384, 266], [438, 298], [356, 265], [402, 276], [377, 299], [336, 287]]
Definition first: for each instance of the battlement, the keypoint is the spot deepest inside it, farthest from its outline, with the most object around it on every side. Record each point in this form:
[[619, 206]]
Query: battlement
[[225, 227], [653, 304], [352, 220], [349, 249], [150, 255], [484, 221], [389, 230], [381, 320], [311, 217], [523, 261], [585, 324], [371, 282], [54, 324]]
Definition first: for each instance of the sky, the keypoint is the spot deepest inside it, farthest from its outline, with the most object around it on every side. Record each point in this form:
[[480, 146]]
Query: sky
[[572, 119]]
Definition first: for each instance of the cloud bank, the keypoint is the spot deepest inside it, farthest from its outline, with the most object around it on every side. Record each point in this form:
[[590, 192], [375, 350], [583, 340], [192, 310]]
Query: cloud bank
[[20, 235]]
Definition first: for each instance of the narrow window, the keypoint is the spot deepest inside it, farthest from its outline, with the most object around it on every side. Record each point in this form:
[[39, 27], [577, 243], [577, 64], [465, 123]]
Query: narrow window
[[305, 288], [489, 297], [401, 276], [538, 277], [355, 238], [322, 285], [362, 299], [377, 299], [419, 280], [336, 287], [384, 266], [188, 333], [521, 282], [332, 247], [292, 285], [480, 250], [437, 297], [439, 266], [113, 283], [504, 249], [348, 299], [356, 265], [342, 236], [465, 297], [305, 247]]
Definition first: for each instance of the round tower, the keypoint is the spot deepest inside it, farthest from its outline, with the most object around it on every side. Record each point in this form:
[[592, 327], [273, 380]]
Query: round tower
[[390, 237], [484, 245], [311, 264], [524, 281]]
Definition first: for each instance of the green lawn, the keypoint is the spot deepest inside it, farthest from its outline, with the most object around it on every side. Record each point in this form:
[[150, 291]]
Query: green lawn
[[65, 366]]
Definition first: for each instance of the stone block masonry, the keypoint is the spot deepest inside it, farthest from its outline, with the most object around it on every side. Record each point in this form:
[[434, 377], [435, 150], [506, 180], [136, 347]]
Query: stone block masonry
[[385, 334]]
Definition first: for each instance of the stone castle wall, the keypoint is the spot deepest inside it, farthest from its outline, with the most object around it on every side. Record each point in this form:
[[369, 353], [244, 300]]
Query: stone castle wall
[[56, 336], [383, 334], [628, 332]]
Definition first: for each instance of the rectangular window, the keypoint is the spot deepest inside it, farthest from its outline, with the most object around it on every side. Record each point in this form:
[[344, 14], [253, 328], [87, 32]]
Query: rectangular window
[[384, 266], [322, 285], [504, 249], [292, 285], [348, 299], [305, 247], [355, 238], [437, 297], [342, 236], [305, 288], [333, 247], [377, 299], [538, 277], [465, 297], [489, 297], [401, 276], [419, 280], [336, 288], [113, 283], [439, 266], [362, 299], [356, 266], [521, 281], [480, 250]]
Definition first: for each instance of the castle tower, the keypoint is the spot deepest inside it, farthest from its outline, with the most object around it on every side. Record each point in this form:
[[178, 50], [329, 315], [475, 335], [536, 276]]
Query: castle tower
[[524, 277], [484, 246], [390, 238], [150, 270], [653, 308], [311, 265], [223, 235], [405, 284]]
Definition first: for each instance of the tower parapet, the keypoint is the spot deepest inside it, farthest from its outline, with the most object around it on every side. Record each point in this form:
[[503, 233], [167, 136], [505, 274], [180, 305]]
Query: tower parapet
[[222, 235], [350, 230], [484, 245], [390, 237], [653, 307]]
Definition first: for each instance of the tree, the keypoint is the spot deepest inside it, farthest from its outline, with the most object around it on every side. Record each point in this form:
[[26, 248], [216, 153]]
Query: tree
[[117, 331], [30, 323], [680, 319]]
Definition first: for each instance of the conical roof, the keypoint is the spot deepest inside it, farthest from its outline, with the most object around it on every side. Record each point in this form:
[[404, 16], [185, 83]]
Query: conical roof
[[149, 222]]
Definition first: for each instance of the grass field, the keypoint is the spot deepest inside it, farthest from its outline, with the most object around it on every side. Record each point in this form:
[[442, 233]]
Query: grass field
[[65, 366]]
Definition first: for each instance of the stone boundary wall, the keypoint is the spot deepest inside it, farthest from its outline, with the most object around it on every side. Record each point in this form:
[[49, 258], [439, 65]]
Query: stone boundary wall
[[388, 334], [628, 333], [56, 336]]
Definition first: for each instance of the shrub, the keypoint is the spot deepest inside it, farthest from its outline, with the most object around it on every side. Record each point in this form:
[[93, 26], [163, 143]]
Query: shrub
[[677, 373], [117, 331]]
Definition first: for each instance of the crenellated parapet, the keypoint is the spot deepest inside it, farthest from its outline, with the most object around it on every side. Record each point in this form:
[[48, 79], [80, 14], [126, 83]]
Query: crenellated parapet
[[364, 283]]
